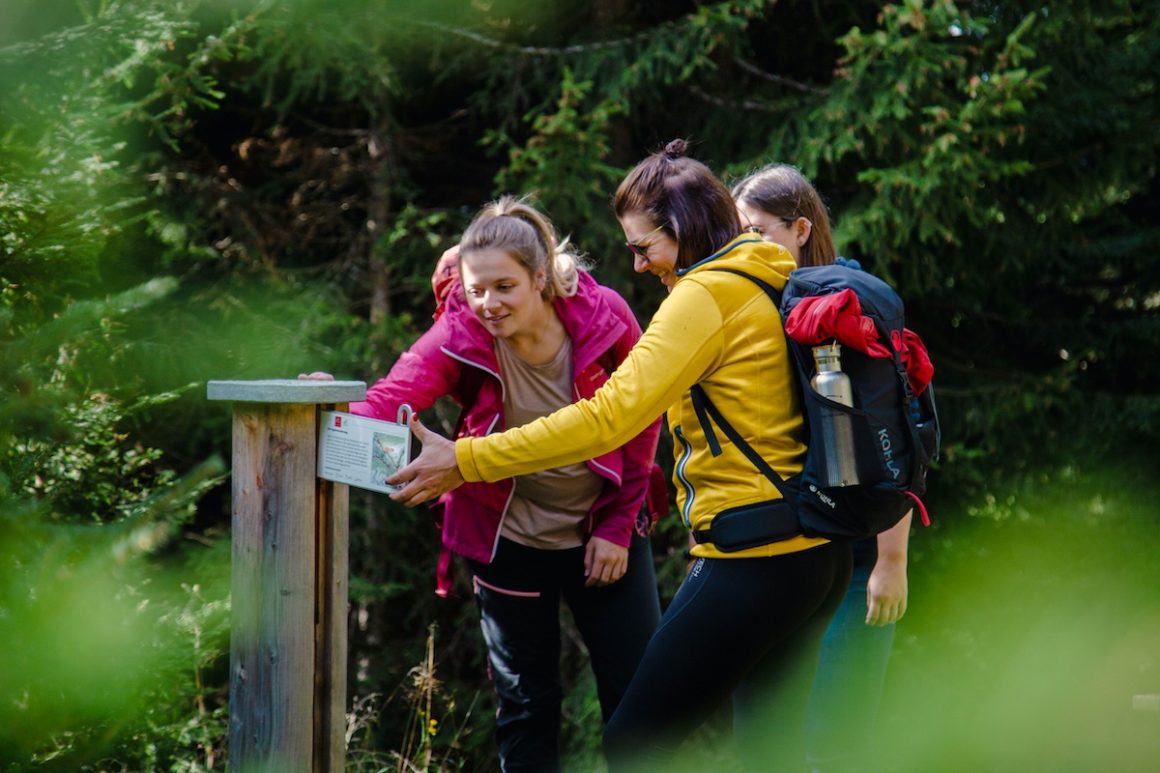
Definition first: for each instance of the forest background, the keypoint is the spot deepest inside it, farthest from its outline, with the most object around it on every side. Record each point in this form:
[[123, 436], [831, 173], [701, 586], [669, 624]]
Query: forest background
[[215, 189]]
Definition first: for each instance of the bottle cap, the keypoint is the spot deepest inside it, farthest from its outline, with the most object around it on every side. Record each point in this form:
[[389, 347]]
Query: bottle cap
[[828, 355]]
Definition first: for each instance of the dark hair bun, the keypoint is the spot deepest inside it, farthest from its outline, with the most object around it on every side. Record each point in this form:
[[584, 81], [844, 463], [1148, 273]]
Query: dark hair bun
[[675, 149]]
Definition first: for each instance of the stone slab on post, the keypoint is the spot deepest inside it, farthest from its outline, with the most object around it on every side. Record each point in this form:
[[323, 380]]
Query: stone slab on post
[[288, 636]]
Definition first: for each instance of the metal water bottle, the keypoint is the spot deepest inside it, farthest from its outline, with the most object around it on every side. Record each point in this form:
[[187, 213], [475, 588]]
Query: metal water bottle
[[838, 463]]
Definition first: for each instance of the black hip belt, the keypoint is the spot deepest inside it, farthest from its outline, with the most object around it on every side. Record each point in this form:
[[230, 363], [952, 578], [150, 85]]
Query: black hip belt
[[750, 526]]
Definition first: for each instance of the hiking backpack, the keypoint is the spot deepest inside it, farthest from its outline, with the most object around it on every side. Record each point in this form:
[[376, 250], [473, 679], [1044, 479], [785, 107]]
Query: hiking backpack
[[895, 426]]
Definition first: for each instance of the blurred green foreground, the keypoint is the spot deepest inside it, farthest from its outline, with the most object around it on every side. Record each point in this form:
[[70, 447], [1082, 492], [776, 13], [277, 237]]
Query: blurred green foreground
[[245, 189]]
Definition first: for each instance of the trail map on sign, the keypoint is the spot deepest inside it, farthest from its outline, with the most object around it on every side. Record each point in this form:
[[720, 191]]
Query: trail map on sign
[[361, 451]]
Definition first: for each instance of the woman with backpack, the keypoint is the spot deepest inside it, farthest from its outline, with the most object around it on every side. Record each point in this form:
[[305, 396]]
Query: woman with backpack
[[741, 609], [779, 204], [521, 330]]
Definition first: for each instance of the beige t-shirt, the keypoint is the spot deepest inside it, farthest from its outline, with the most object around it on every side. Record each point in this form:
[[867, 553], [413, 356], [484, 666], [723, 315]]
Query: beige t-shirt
[[548, 508]]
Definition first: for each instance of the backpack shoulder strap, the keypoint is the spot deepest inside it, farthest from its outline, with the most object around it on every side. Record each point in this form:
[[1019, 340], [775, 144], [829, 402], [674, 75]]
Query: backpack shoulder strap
[[767, 288], [755, 458]]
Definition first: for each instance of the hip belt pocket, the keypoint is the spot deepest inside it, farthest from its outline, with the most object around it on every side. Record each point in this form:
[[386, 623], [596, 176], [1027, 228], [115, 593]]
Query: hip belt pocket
[[750, 526]]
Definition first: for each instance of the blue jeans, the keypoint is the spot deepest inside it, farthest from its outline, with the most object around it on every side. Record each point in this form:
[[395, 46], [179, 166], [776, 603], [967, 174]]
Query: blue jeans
[[734, 621], [519, 595], [850, 678]]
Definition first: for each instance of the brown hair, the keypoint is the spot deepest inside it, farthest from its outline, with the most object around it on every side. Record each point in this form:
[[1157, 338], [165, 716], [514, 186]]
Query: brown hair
[[512, 225], [783, 191], [682, 196]]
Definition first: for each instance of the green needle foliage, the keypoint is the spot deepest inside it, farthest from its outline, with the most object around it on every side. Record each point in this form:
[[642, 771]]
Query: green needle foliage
[[223, 189]]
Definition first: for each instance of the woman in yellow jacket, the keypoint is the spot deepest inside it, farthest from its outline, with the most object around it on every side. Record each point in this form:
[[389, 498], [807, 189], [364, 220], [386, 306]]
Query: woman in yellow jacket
[[758, 606]]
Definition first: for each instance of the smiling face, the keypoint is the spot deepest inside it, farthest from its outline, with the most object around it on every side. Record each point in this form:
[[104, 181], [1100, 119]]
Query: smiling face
[[658, 248], [501, 292]]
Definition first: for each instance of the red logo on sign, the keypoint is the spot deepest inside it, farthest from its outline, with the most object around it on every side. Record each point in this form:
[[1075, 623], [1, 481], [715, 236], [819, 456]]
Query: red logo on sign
[[338, 421]]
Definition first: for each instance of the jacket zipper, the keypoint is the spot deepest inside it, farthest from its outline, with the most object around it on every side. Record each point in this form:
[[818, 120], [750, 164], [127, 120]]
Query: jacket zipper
[[679, 469]]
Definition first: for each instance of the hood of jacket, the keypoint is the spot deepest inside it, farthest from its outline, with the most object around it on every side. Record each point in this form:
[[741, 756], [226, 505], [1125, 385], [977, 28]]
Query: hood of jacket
[[751, 254], [587, 317]]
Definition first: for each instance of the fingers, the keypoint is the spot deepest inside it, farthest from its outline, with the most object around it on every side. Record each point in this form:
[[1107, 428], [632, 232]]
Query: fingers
[[413, 485], [411, 495], [604, 563], [884, 612], [875, 608], [598, 575], [317, 375], [431, 474], [896, 612], [411, 492], [420, 431], [877, 615], [603, 573], [886, 592]]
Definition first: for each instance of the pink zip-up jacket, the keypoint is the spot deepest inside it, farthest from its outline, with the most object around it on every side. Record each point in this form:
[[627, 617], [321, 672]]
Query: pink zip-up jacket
[[456, 357]]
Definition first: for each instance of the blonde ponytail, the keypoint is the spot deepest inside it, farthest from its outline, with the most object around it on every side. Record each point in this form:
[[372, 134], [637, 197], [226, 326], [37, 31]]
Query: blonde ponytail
[[512, 225]]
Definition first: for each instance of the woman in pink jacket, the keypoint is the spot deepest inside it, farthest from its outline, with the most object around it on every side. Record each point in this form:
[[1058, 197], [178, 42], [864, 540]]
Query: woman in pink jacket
[[527, 330]]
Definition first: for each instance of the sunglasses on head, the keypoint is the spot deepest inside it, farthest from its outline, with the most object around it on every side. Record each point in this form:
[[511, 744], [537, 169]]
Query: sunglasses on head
[[641, 251]]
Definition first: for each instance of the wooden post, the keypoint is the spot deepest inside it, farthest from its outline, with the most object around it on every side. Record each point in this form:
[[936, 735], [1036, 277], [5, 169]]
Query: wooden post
[[288, 637]]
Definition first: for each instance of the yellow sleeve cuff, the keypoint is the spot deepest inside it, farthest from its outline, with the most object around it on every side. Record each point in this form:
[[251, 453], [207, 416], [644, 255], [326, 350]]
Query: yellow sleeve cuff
[[465, 460]]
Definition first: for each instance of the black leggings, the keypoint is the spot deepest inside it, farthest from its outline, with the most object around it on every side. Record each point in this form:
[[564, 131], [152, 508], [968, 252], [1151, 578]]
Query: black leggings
[[519, 596], [732, 623]]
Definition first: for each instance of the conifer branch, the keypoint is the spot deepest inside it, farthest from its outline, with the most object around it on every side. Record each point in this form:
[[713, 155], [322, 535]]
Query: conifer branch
[[781, 80], [732, 104], [484, 40]]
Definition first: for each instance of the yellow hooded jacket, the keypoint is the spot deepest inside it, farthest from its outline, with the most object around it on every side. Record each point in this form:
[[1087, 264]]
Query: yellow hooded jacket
[[716, 329]]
